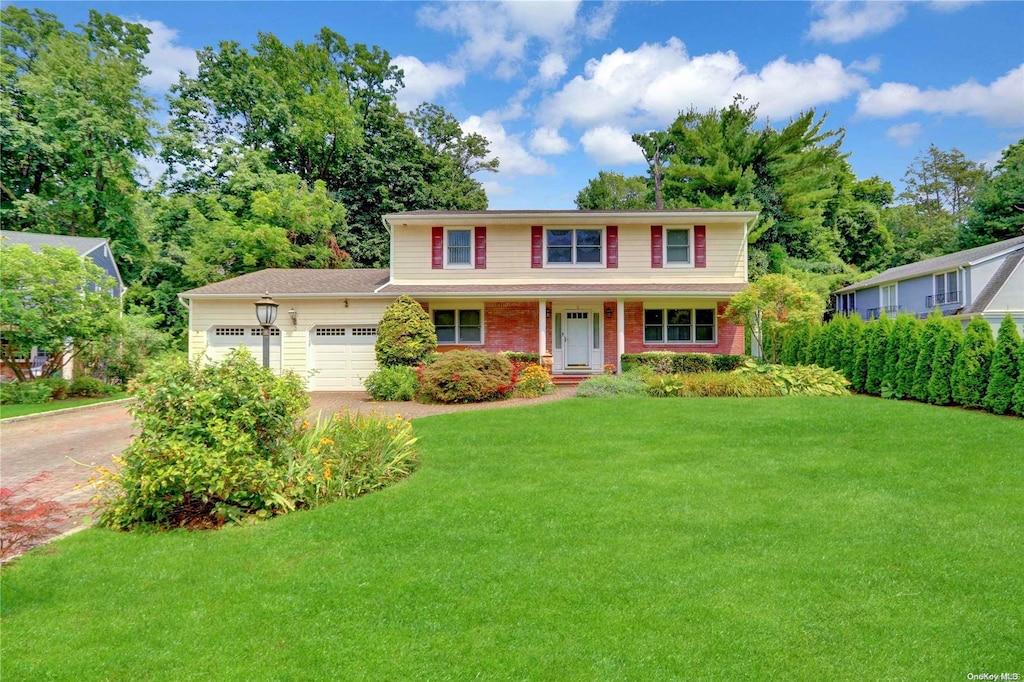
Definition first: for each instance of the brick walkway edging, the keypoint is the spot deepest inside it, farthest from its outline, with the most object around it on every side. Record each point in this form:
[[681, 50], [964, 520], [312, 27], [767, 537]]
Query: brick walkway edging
[[65, 410]]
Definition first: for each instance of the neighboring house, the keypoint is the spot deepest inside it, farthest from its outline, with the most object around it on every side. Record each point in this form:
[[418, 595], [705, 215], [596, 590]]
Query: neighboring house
[[96, 249], [584, 287], [987, 281]]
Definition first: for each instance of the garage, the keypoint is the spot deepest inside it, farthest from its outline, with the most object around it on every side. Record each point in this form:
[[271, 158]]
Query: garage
[[341, 356], [223, 338]]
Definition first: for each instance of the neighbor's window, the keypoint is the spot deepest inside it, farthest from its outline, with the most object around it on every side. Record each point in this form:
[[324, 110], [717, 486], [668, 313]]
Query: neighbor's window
[[573, 247], [679, 325], [889, 297], [459, 247], [946, 290], [677, 246], [458, 326]]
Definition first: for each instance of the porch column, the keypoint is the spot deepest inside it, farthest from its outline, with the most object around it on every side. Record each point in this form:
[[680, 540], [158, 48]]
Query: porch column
[[542, 315], [620, 333]]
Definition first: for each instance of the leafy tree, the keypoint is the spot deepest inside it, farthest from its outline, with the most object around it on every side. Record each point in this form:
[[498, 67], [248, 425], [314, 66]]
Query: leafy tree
[[971, 370], [611, 191], [919, 234], [769, 305], [405, 335], [948, 339], [74, 117], [50, 298], [998, 209], [878, 346], [926, 356], [1005, 368]]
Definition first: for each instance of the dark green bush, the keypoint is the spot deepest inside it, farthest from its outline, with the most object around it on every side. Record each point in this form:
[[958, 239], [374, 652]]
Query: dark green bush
[[947, 344], [908, 354], [862, 357], [629, 384], [1018, 392], [851, 342], [59, 387], [926, 356], [668, 362], [405, 335], [466, 376], [214, 444], [969, 379], [1005, 369], [893, 351], [25, 393], [878, 343], [727, 363], [89, 387], [392, 383], [689, 363], [658, 361]]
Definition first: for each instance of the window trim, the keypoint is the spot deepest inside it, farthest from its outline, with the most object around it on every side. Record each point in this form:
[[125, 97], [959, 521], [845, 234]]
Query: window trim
[[666, 263], [692, 327], [603, 246], [895, 303], [458, 325], [446, 245], [945, 291]]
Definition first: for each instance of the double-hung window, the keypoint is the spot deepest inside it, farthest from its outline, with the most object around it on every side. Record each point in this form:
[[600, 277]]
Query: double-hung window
[[946, 290], [574, 247], [677, 247], [458, 326], [679, 325], [459, 250]]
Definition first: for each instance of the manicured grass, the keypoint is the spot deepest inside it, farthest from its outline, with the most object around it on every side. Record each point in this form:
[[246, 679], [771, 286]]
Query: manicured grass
[[7, 411], [791, 538]]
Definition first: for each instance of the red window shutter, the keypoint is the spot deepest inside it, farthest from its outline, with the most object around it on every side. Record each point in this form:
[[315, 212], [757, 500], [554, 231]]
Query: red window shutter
[[613, 247], [480, 236], [537, 246], [700, 246], [437, 248], [656, 246]]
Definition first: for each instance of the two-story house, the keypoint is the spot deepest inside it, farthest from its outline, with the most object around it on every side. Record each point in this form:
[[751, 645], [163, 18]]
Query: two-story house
[[582, 286], [987, 281]]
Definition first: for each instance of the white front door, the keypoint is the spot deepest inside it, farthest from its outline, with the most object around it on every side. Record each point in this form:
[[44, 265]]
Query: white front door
[[577, 340]]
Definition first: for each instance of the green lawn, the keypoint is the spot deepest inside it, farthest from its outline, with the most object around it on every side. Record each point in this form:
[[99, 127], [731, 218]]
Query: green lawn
[[641, 539], [7, 411]]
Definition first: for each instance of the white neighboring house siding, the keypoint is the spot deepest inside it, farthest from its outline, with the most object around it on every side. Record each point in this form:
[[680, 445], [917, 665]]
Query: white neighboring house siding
[[295, 339]]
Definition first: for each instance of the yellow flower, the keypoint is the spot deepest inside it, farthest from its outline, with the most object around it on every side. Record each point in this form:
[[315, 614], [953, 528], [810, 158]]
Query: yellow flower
[[391, 427], [327, 472], [314, 450], [326, 441], [310, 478]]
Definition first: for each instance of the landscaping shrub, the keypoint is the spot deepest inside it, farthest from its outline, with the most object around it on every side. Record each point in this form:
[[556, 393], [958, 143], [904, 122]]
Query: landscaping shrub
[[399, 382], [799, 379], [878, 342], [907, 363], [862, 356], [347, 455], [89, 387], [533, 382], [213, 445], [893, 352], [25, 393], [59, 388], [659, 361], [628, 384], [727, 363], [405, 334], [926, 356], [947, 344], [851, 342], [668, 362], [689, 363], [467, 376], [27, 520], [712, 385], [522, 358], [1018, 392], [1005, 369], [969, 380]]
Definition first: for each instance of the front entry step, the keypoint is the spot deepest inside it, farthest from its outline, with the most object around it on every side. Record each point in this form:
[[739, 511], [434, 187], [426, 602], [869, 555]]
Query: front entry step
[[570, 379]]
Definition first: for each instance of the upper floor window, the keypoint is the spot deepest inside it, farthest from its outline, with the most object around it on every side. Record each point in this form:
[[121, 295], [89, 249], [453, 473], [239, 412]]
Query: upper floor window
[[846, 303], [574, 247], [888, 299], [946, 289], [677, 247], [460, 247]]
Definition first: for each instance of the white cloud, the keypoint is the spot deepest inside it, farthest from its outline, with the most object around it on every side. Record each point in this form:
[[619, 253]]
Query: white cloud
[[611, 145], [548, 141], [872, 64], [653, 83], [842, 21], [1001, 101], [904, 135], [514, 158], [552, 67], [549, 20], [165, 58], [597, 24], [992, 158], [494, 189], [950, 6], [424, 82]]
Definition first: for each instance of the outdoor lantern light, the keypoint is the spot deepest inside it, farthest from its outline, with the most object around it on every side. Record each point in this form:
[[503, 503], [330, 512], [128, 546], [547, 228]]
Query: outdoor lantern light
[[266, 313], [292, 313], [608, 312]]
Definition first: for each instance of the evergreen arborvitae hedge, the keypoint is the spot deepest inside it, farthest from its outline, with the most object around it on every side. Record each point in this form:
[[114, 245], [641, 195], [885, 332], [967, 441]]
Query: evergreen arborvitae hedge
[[893, 351], [834, 342], [405, 334], [876, 355], [808, 352], [1005, 368], [926, 357], [971, 368], [909, 350], [851, 341], [1018, 393], [862, 356], [947, 345]]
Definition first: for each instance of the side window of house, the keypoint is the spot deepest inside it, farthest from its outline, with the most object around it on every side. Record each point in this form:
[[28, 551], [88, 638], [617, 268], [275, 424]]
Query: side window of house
[[458, 326], [459, 247]]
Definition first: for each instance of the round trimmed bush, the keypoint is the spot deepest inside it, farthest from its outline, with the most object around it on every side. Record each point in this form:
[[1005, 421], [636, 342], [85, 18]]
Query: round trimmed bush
[[405, 335], [466, 376], [392, 383]]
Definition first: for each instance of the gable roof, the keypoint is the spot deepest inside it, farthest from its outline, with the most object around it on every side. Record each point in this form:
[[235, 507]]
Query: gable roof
[[82, 245], [996, 283], [950, 261], [293, 282]]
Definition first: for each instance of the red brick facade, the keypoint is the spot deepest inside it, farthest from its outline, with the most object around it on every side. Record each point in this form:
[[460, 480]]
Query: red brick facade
[[514, 325]]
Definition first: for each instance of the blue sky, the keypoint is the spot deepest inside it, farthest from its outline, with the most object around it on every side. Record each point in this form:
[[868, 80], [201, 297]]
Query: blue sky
[[557, 87]]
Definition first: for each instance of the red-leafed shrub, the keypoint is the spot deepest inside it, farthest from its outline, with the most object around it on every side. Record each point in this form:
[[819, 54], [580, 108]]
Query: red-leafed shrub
[[467, 376], [27, 520]]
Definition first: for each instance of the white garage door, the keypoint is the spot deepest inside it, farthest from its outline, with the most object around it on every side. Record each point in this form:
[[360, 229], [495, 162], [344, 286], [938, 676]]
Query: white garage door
[[341, 357], [223, 339]]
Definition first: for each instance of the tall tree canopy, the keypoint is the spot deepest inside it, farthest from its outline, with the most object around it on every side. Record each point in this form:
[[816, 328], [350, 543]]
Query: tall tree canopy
[[611, 191], [73, 118], [326, 112], [998, 209]]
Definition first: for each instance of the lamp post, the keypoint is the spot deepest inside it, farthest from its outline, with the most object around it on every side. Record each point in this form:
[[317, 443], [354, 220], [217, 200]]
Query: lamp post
[[266, 313]]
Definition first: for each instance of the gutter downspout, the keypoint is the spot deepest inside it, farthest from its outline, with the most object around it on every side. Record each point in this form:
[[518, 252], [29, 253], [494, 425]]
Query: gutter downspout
[[391, 254]]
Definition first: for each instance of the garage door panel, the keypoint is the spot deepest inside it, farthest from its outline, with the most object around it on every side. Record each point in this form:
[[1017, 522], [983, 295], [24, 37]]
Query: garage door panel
[[342, 356], [222, 339]]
